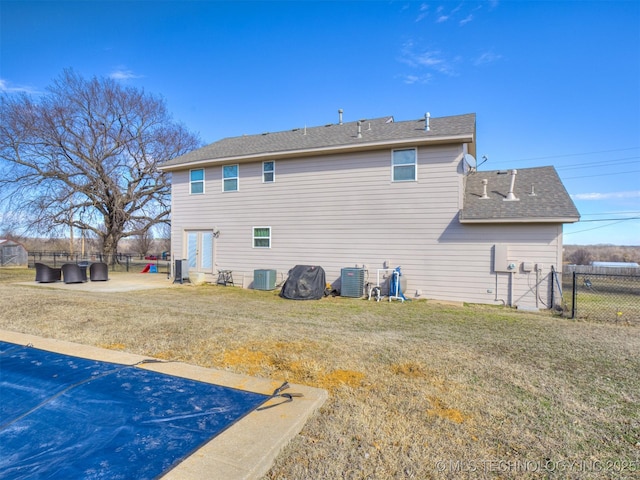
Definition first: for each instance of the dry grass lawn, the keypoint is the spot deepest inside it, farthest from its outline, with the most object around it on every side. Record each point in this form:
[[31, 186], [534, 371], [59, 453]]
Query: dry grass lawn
[[417, 390]]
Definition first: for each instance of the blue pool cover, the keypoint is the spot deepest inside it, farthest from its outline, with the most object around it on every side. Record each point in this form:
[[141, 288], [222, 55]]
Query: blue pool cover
[[64, 417]]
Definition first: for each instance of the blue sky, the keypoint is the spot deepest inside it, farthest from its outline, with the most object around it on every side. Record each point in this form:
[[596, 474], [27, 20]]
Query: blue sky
[[552, 82]]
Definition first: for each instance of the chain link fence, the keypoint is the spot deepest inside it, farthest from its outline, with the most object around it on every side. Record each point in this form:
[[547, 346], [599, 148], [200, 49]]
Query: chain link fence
[[604, 297], [117, 263]]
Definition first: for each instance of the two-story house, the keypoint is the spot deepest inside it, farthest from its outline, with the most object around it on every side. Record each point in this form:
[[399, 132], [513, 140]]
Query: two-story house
[[372, 194]]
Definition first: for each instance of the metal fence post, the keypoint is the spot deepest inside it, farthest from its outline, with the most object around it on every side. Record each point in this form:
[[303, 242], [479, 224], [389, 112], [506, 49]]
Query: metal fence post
[[574, 294]]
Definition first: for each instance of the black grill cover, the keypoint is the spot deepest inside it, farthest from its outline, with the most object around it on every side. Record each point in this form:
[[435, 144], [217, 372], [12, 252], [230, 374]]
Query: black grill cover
[[305, 282]]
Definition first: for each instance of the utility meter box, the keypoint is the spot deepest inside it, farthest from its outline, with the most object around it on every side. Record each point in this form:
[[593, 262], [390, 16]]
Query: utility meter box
[[501, 259]]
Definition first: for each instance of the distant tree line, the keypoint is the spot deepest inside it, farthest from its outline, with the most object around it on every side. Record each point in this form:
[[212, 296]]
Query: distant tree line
[[140, 245], [585, 254]]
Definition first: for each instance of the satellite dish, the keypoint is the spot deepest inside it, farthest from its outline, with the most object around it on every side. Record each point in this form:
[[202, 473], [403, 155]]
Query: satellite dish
[[469, 163]]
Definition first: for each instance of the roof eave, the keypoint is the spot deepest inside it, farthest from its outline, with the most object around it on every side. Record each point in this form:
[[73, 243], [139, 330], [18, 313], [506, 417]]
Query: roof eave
[[448, 139], [522, 220]]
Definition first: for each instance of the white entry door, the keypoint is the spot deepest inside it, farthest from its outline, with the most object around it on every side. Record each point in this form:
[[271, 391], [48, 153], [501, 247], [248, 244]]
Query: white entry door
[[200, 250]]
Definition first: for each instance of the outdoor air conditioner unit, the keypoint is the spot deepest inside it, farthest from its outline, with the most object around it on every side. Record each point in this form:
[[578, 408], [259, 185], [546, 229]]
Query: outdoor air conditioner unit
[[352, 282], [264, 279]]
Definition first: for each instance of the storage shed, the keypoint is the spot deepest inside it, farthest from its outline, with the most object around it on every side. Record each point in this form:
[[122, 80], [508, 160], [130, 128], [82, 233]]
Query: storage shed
[[12, 254]]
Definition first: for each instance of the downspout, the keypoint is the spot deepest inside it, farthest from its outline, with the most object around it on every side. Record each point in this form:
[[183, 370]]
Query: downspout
[[504, 304], [511, 280]]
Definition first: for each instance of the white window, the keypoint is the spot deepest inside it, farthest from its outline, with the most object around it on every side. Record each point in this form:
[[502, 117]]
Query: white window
[[196, 181], [404, 165], [230, 178], [261, 237], [268, 172]]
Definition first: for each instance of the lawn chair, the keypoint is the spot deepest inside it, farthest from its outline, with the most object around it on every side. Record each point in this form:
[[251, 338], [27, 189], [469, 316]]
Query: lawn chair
[[72, 273], [99, 272], [46, 274]]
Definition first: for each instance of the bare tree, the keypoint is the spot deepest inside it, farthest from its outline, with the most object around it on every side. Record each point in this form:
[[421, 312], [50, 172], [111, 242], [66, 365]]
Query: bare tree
[[164, 237], [143, 242], [580, 257], [85, 156]]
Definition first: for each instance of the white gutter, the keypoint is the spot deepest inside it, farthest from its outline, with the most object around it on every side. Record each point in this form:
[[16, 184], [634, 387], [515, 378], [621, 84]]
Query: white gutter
[[522, 220]]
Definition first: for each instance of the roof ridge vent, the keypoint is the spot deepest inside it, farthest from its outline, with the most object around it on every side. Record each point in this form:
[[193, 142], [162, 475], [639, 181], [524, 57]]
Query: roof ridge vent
[[511, 197]]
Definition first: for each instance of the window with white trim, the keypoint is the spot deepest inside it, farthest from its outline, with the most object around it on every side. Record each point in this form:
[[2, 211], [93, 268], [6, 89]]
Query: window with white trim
[[404, 165], [268, 172], [229, 178], [261, 237], [196, 181]]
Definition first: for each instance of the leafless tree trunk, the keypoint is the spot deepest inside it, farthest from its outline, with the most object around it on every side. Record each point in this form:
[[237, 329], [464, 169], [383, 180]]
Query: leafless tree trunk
[[85, 156], [143, 242]]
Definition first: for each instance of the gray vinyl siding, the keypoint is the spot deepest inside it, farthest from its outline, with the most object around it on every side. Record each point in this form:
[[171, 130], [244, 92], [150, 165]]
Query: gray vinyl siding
[[344, 210]]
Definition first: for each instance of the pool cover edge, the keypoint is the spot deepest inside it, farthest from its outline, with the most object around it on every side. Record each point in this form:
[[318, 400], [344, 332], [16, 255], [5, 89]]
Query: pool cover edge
[[244, 451]]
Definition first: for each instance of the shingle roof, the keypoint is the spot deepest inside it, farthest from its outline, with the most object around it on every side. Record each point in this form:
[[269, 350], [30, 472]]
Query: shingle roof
[[331, 137], [541, 198]]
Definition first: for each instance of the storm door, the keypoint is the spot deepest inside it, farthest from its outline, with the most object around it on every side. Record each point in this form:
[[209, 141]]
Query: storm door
[[200, 250]]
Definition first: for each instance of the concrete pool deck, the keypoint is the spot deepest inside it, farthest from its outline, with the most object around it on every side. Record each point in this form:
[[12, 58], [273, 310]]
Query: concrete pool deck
[[247, 449]]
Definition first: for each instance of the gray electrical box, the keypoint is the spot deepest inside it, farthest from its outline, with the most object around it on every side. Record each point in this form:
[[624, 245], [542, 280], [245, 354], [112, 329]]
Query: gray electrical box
[[352, 282], [264, 279], [501, 259]]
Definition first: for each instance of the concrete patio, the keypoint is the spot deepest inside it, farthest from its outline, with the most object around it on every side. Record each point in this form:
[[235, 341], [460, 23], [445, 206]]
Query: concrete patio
[[118, 282]]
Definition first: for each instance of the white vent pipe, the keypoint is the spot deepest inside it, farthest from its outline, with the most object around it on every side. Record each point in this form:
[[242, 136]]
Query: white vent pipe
[[512, 196], [484, 189]]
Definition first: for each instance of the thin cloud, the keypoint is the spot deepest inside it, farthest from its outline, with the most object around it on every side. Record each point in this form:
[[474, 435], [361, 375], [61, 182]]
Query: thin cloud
[[606, 196], [416, 79], [123, 74], [6, 87], [441, 14], [444, 16], [433, 61], [466, 20], [424, 12], [429, 59], [486, 58]]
